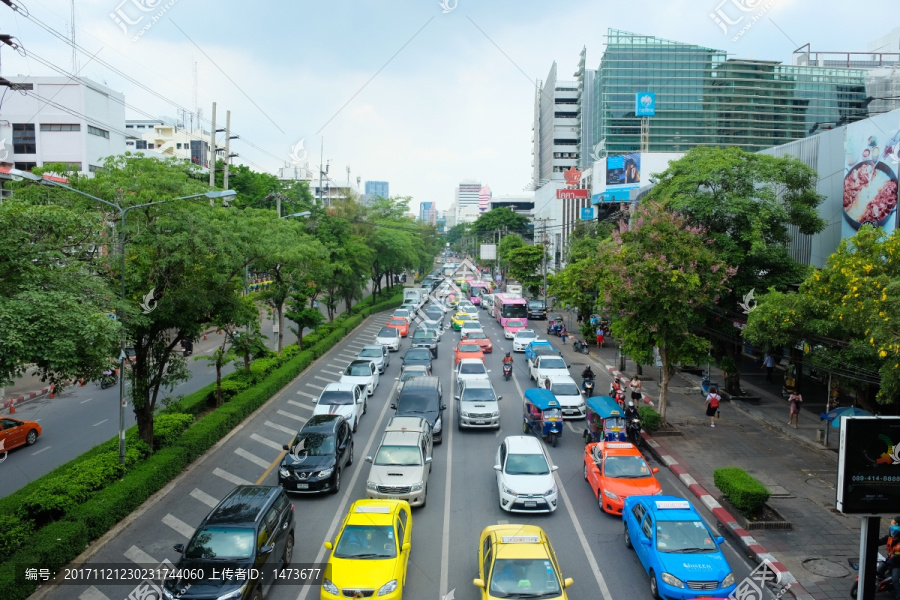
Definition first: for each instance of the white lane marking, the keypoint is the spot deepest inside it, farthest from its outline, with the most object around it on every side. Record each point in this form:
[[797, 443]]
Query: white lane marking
[[292, 416], [315, 387], [342, 507], [266, 442], [502, 522], [280, 428], [231, 478], [310, 396], [300, 405], [572, 428], [204, 498], [335, 366], [347, 354], [101, 422], [139, 557], [252, 458], [325, 379], [45, 448], [178, 525], [92, 593], [445, 533], [82, 402]]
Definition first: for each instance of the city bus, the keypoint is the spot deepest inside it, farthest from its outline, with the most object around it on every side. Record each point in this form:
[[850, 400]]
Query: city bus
[[510, 307], [476, 289]]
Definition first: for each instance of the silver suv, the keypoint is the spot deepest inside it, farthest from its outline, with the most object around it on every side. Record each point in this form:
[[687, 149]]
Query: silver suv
[[477, 405]]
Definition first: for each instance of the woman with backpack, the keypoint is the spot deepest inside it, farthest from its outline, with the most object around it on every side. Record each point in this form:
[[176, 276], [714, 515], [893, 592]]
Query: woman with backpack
[[712, 405]]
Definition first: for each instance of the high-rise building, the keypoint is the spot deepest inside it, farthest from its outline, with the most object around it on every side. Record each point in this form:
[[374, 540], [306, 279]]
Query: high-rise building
[[375, 189], [427, 212], [521, 204], [466, 200], [555, 129], [484, 199]]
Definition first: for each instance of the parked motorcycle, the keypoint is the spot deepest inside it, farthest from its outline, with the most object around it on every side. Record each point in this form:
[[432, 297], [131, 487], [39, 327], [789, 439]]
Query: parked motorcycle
[[883, 583], [634, 432], [507, 371], [580, 346], [588, 385]]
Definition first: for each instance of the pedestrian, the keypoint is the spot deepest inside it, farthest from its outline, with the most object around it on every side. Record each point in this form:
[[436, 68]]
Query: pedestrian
[[796, 400], [712, 405], [562, 333], [636, 388], [769, 364], [599, 337], [315, 304]]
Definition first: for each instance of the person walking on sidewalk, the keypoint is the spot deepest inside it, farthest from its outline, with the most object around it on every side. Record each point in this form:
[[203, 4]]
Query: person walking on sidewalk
[[636, 387], [796, 400], [562, 332], [712, 405], [769, 364], [600, 337]]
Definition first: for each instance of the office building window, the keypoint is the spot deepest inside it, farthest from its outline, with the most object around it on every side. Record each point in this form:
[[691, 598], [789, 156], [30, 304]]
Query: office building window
[[25, 166], [140, 145], [97, 131], [23, 138], [95, 168], [151, 146], [179, 146], [60, 127]]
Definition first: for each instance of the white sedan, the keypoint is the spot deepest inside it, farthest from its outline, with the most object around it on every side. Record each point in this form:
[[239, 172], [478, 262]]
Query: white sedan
[[522, 338], [525, 476], [363, 373], [390, 337], [470, 369]]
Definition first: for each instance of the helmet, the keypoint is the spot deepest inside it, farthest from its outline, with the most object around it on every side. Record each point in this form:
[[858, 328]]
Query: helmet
[[631, 404], [507, 353]]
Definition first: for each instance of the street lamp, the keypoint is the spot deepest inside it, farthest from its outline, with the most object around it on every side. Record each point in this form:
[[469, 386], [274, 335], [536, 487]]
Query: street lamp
[[305, 213], [18, 175]]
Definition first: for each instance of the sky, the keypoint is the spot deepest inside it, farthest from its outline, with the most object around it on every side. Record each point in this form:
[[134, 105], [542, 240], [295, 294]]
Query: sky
[[414, 92]]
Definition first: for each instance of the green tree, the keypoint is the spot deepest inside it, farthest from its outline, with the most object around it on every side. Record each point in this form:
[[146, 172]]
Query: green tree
[[499, 219], [525, 266], [456, 233], [244, 314], [657, 275]]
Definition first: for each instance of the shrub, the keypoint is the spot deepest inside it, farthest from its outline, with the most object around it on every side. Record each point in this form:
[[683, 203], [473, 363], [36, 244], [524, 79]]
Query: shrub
[[261, 367], [168, 427], [743, 491], [13, 533], [649, 417]]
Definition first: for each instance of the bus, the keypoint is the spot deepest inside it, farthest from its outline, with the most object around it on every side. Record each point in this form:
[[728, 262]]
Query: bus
[[510, 307], [476, 289], [449, 269]]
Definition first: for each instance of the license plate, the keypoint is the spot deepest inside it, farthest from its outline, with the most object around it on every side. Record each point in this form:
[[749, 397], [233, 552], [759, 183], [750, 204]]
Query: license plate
[[480, 422], [530, 504], [302, 486]]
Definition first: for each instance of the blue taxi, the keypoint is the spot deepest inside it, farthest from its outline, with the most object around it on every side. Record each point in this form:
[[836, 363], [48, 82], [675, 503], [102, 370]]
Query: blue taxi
[[678, 551]]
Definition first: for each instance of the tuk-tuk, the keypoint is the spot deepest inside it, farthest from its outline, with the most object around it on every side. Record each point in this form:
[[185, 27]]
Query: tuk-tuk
[[605, 422], [542, 415], [554, 323]]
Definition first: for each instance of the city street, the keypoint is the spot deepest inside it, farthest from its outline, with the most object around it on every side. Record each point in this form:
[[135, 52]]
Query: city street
[[462, 491]]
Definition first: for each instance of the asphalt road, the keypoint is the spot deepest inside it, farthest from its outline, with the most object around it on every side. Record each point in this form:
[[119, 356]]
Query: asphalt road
[[462, 492]]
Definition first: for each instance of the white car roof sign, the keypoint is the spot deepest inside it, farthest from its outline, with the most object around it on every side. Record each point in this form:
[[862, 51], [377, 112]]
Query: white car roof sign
[[679, 504], [373, 509], [520, 539], [619, 445]]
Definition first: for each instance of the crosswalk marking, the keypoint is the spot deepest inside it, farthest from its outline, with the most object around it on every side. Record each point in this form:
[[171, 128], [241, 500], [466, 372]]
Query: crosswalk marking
[[292, 416], [252, 458], [92, 593], [138, 556], [230, 478], [178, 525], [300, 404], [310, 396], [266, 442], [204, 498], [281, 428]]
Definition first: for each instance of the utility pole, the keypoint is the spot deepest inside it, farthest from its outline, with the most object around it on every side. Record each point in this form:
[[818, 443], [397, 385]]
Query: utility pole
[[227, 147], [544, 257], [212, 149], [321, 155]]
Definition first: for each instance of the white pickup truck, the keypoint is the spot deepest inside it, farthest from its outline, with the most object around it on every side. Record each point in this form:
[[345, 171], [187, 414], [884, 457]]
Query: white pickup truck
[[402, 462], [547, 365]]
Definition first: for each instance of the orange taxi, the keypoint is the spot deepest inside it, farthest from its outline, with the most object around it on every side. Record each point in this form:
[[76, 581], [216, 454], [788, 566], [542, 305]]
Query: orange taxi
[[480, 338], [616, 470], [15, 433], [468, 350], [400, 324]]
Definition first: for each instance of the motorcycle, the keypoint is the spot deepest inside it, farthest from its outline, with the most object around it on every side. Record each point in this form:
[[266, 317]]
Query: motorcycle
[[619, 395], [580, 346], [187, 348], [634, 432], [883, 583], [507, 371], [588, 385], [108, 380]]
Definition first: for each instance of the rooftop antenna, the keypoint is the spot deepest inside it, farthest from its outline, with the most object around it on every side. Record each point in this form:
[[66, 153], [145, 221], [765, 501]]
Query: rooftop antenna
[[74, 52], [196, 103]]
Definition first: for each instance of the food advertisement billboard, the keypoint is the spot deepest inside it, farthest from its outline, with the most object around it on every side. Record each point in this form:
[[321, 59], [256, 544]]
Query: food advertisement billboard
[[869, 466], [872, 159]]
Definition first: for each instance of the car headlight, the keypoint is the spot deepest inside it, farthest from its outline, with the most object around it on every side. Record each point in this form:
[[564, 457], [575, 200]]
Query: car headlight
[[238, 593], [551, 491], [438, 425], [387, 588], [496, 413], [325, 473], [371, 486], [330, 587], [464, 414], [416, 487], [671, 580], [610, 495], [284, 472], [729, 579], [506, 490]]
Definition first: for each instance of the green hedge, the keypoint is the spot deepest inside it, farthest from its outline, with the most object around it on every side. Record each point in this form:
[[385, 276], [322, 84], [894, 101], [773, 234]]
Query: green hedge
[[742, 489], [99, 499], [649, 417]]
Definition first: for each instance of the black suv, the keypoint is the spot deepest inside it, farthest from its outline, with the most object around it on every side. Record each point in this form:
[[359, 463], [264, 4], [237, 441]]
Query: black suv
[[537, 309], [251, 528], [423, 397], [317, 455], [417, 356], [426, 338]]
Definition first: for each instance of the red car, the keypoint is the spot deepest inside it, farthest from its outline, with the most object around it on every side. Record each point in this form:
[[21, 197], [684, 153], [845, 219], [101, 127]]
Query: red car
[[616, 470], [15, 433], [468, 350], [400, 324], [480, 338]]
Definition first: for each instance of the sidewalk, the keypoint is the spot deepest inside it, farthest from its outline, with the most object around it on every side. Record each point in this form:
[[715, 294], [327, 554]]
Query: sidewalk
[[798, 470]]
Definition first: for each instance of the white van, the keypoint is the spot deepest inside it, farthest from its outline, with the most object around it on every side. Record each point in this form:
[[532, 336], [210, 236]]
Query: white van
[[487, 303]]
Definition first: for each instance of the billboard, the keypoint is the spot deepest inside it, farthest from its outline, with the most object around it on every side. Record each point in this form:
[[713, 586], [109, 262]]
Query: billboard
[[872, 161], [623, 170], [869, 466], [488, 252], [588, 213], [572, 194], [645, 104]]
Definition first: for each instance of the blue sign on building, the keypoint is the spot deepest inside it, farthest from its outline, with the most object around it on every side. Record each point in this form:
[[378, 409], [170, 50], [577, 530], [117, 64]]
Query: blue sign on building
[[587, 213], [644, 104]]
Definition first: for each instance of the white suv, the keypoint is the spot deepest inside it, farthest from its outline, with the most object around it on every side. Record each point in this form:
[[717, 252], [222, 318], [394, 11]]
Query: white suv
[[470, 369], [345, 399], [525, 476], [402, 462]]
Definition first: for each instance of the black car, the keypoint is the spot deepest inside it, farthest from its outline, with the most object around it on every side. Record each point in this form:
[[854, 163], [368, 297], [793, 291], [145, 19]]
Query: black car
[[424, 337], [417, 356], [433, 313], [537, 309], [317, 456], [423, 397], [251, 528]]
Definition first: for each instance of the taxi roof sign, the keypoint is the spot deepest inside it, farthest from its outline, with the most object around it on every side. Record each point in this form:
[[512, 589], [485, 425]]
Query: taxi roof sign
[[373, 509], [520, 539], [618, 445], [679, 504]]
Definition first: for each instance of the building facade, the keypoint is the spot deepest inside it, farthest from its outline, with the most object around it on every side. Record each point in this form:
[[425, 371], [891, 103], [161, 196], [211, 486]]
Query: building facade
[[169, 138], [428, 213], [521, 204], [375, 189], [61, 120], [466, 200]]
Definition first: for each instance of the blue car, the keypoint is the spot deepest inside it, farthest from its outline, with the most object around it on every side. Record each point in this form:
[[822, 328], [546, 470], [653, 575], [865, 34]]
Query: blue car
[[678, 551]]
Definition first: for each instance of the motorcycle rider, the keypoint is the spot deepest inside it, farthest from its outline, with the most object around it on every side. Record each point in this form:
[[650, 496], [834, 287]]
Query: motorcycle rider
[[508, 359], [586, 375], [892, 546], [631, 412]]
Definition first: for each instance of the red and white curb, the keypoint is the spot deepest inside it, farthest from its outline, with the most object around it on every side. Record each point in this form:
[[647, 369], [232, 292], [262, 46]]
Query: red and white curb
[[25, 398]]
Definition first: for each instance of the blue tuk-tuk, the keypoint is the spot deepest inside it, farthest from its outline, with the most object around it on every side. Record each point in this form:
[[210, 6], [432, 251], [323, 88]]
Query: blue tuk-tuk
[[605, 422], [542, 414]]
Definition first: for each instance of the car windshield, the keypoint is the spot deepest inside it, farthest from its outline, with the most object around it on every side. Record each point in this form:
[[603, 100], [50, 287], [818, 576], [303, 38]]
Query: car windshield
[[462, 317], [535, 304], [515, 323], [564, 389], [372, 352], [221, 542], [313, 444], [359, 370], [366, 542], [527, 464], [417, 354], [478, 395], [472, 368], [336, 397], [476, 335], [553, 363], [398, 322], [524, 578], [387, 332], [399, 456], [423, 334], [416, 404], [407, 374], [469, 348], [685, 537], [469, 308], [625, 467], [526, 334]]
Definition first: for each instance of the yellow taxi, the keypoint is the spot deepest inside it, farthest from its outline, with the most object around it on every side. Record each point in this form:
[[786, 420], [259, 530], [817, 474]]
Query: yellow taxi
[[458, 319], [517, 561], [371, 552]]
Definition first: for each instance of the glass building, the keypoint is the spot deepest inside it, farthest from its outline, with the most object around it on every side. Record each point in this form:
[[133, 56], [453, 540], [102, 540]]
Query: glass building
[[705, 98]]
